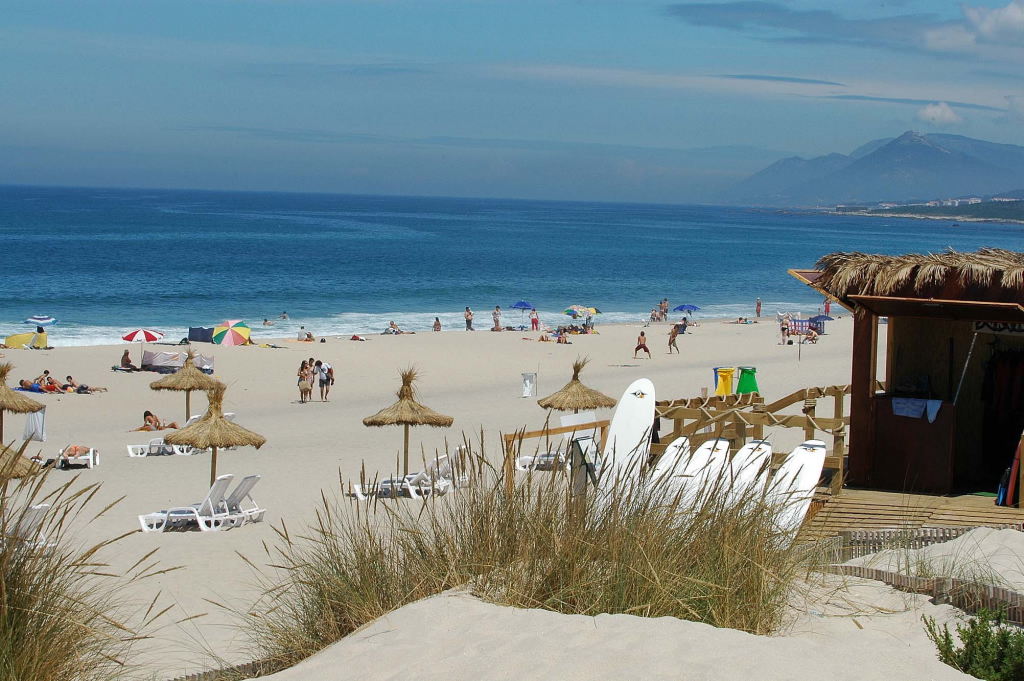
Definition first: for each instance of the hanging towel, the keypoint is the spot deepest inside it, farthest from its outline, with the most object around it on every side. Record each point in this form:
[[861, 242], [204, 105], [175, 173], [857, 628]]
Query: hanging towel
[[933, 409], [909, 407], [35, 426]]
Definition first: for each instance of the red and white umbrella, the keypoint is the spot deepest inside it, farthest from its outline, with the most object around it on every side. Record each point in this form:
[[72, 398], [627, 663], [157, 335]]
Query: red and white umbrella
[[142, 336]]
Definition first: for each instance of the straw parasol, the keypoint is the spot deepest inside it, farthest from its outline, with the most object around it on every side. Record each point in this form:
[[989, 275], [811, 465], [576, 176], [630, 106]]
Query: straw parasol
[[186, 379], [408, 412], [12, 401], [575, 395], [213, 431], [13, 463]]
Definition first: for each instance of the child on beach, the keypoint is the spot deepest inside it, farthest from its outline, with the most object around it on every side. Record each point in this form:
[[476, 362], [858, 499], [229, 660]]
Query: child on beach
[[641, 344], [672, 336]]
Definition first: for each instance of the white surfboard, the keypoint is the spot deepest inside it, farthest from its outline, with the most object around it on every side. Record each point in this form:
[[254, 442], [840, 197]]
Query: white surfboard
[[693, 474], [748, 471], [792, 488], [628, 443]]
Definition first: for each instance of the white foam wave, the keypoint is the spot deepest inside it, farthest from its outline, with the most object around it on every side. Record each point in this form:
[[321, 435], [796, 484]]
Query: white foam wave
[[348, 323]]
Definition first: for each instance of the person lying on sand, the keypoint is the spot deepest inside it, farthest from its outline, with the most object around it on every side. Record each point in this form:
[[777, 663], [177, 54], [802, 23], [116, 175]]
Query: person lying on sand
[[394, 328], [31, 387], [81, 388], [152, 422]]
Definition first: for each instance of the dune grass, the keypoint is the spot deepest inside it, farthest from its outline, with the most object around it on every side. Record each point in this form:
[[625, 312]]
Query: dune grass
[[632, 549], [61, 613]]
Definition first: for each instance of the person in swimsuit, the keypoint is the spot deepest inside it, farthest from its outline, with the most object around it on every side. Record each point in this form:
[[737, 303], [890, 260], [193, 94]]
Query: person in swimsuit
[[672, 336], [437, 323], [305, 382], [151, 421], [496, 316], [784, 330], [468, 314], [757, 308], [126, 362], [534, 320], [641, 344], [81, 387], [394, 328]]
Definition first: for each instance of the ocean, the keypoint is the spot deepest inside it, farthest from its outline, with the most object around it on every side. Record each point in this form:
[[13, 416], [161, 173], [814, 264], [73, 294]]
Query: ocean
[[107, 261]]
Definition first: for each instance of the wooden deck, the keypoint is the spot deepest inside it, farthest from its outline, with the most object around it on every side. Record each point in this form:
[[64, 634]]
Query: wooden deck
[[857, 509]]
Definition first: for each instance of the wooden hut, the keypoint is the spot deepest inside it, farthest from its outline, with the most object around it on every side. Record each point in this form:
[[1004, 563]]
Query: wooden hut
[[953, 326]]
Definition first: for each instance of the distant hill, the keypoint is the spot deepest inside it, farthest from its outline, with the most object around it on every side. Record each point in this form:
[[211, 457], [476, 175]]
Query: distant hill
[[907, 168]]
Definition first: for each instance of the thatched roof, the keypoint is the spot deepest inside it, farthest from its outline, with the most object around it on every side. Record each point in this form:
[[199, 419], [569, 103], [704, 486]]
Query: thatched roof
[[407, 411], [213, 430], [575, 395], [13, 463], [188, 377], [846, 274], [12, 401]]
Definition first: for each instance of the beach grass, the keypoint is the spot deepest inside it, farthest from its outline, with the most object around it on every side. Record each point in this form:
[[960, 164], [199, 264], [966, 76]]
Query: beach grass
[[635, 549], [62, 613]]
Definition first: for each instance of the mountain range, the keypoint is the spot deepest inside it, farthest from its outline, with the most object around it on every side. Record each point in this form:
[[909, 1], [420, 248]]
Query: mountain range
[[911, 167]]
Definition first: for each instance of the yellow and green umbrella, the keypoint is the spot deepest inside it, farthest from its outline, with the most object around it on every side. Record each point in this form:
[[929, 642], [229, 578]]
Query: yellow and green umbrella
[[231, 332]]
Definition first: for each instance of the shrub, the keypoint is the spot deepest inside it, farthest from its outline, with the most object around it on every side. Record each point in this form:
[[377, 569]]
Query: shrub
[[988, 648], [633, 550], [60, 610]]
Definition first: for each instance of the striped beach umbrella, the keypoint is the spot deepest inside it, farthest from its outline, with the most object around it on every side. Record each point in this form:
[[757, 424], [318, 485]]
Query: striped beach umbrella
[[142, 336], [231, 332], [41, 320]]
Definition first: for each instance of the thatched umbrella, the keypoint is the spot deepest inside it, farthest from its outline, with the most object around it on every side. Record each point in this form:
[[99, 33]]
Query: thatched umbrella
[[12, 401], [13, 463], [408, 412], [575, 395], [186, 379], [213, 431]]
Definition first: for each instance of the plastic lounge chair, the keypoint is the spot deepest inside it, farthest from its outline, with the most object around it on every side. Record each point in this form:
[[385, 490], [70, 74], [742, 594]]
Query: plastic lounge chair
[[748, 470], [793, 485], [27, 530], [437, 477], [76, 454], [157, 447], [210, 514], [241, 493]]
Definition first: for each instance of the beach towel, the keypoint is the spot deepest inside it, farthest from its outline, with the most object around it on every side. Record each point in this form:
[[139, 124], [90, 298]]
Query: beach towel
[[35, 426], [909, 407]]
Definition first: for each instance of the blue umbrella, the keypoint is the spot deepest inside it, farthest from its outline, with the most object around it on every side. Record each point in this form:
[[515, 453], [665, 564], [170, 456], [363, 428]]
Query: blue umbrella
[[685, 308], [821, 318], [521, 305], [41, 320]]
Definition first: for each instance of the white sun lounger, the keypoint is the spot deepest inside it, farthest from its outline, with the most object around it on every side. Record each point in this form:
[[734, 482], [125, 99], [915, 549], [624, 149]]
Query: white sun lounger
[[252, 513], [210, 514], [90, 458], [157, 447], [792, 487], [27, 530], [437, 476]]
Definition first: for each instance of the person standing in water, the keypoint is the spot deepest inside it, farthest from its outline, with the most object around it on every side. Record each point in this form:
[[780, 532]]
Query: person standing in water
[[534, 320], [496, 316], [641, 344], [757, 308], [468, 314]]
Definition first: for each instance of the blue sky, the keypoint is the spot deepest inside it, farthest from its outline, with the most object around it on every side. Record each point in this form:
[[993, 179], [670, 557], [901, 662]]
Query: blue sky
[[600, 100]]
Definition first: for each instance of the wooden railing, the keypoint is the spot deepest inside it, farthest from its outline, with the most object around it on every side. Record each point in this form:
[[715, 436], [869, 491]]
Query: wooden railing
[[514, 441]]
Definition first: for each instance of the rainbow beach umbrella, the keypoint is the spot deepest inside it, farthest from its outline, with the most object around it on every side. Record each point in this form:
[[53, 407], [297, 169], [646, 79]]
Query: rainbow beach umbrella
[[231, 332]]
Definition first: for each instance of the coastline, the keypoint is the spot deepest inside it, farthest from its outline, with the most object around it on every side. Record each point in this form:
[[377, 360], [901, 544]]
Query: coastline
[[940, 218]]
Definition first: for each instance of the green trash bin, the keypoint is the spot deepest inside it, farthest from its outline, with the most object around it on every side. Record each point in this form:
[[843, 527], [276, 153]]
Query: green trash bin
[[748, 381]]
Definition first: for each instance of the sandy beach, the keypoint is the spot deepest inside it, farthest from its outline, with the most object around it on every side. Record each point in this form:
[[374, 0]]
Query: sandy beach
[[474, 377]]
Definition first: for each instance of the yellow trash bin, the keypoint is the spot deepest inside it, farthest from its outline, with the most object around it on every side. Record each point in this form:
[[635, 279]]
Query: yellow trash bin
[[725, 375]]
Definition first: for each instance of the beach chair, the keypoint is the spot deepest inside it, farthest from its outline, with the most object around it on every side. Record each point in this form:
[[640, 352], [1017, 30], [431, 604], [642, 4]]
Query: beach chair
[[210, 514], [252, 513], [157, 447], [437, 477], [792, 486], [77, 455], [27, 531]]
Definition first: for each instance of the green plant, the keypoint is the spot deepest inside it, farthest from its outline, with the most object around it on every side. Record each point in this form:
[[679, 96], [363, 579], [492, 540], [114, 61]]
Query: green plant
[[61, 615], [989, 649], [636, 549]]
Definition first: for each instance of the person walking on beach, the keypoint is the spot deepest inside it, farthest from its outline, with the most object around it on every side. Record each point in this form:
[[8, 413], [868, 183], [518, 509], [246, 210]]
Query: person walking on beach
[[757, 308], [672, 336], [534, 320], [641, 344], [469, 319], [325, 376], [305, 382], [496, 316]]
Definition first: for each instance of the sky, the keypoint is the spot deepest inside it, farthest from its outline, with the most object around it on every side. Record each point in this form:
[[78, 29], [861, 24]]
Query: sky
[[602, 100]]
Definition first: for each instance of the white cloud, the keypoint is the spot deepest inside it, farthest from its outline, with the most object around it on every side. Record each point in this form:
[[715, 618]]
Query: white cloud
[[999, 23], [939, 114], [950, 39]]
